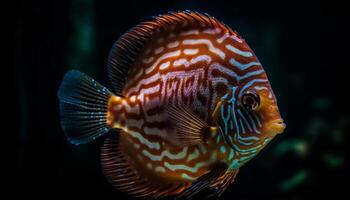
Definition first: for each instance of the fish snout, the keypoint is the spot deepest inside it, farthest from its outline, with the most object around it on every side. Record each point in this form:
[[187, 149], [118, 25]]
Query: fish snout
[[277, 126]]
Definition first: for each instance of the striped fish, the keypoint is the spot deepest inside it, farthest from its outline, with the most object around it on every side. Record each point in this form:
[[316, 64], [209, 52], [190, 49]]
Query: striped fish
[[191, 104]]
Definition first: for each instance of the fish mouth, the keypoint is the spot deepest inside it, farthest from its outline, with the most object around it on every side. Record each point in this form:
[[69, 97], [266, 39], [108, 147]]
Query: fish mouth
[[277, 126]]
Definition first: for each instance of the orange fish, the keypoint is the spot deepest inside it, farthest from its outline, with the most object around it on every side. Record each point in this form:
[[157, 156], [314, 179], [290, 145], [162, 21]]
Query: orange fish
[[191, 104]]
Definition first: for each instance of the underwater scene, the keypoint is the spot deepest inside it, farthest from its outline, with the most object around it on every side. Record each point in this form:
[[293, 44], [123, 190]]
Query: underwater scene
[[180, 99]]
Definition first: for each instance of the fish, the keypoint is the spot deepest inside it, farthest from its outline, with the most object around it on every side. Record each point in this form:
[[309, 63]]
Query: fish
[[190, 105]]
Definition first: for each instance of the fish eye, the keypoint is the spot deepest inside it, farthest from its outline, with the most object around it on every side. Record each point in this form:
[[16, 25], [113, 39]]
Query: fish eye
[[251, 100]]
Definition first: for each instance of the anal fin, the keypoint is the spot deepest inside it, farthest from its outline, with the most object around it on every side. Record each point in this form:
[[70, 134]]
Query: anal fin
[[212, 184], [124, 177]]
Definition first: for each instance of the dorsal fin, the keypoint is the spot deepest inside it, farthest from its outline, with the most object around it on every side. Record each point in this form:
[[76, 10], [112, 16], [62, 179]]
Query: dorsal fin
[[128, 46]]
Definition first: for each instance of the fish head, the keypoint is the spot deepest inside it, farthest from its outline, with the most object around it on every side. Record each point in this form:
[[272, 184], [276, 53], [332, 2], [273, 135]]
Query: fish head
[[248, 117]]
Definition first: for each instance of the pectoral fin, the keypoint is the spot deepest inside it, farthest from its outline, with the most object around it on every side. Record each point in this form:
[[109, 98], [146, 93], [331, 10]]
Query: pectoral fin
[[190, 129]]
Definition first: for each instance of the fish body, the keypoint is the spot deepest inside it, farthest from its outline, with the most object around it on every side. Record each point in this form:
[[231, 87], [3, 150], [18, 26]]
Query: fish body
[[191, 105]]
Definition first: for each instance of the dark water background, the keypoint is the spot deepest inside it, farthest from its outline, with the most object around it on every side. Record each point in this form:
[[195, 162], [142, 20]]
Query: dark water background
[[300, 44]]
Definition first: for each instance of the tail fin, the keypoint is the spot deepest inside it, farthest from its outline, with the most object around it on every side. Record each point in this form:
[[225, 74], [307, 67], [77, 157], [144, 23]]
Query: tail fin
[[83, 107]]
